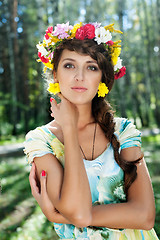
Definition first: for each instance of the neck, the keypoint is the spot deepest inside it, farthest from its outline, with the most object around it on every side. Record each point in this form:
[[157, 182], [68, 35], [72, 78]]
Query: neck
[[85, 115]]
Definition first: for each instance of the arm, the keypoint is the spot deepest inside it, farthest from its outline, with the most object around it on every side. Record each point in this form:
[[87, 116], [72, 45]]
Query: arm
[[41, 196], [139, 211], [67, 189]]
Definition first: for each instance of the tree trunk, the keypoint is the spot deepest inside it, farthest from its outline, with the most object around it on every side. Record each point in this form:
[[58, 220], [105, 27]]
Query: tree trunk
[[12, 68]]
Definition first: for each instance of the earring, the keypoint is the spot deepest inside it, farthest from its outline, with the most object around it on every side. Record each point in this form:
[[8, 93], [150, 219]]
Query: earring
[[102, 90], [54, 88]]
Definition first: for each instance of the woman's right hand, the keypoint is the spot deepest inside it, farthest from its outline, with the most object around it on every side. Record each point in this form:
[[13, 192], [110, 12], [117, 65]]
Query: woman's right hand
[[41, 196], [65, 113]]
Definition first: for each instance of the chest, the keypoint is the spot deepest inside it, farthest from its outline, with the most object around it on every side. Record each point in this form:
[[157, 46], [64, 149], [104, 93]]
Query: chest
[[92, 142]]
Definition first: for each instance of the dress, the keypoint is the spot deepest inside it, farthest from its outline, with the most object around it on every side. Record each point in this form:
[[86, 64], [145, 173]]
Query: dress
[[106, 179]]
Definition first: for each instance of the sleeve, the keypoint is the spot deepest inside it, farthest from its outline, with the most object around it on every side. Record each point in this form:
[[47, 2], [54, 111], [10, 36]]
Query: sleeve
[[36, 145], [127, 133]]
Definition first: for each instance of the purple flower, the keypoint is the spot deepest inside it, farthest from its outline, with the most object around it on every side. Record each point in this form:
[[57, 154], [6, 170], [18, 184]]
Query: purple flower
[[95, 24], [61, 30]]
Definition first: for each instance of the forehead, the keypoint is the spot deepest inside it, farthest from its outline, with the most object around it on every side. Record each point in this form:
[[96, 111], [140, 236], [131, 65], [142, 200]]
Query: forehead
[[67, 54]]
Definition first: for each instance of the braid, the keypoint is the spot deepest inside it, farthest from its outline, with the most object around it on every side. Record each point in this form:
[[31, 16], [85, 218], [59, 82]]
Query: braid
[[104, 116]]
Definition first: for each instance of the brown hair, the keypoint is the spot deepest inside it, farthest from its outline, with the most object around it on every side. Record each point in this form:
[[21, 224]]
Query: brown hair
[[101, 109]]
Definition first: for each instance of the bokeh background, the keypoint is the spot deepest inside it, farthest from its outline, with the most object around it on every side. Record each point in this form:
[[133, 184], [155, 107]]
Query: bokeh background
[[24, 102]]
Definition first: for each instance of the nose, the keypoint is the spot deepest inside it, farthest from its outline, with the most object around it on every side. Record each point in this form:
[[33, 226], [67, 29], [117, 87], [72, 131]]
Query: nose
[[79, 75]]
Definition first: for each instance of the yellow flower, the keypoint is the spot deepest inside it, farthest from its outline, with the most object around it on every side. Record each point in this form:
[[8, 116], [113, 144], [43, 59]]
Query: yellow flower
[[54, 88], [102, 90], [111, 28], [53, 38], [75, 27], [115, 55], [49, 65]]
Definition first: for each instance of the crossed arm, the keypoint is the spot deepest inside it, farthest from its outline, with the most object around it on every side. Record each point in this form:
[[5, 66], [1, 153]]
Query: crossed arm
[[65, 195], [68, 192]]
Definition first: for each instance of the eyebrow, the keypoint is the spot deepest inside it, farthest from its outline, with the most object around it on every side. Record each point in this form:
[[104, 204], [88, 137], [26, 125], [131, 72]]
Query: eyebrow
[[71, 59]]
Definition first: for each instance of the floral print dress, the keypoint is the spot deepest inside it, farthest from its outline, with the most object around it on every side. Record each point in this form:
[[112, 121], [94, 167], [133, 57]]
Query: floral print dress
[[105, 177]]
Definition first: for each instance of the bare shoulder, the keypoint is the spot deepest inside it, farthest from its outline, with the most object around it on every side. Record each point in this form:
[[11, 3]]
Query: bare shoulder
[[55, 129], [131, 153]]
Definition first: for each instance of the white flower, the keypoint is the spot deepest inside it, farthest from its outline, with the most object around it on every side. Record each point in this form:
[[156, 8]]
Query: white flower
[[118, 65], [48, 42], [102, 35], [42, 50]]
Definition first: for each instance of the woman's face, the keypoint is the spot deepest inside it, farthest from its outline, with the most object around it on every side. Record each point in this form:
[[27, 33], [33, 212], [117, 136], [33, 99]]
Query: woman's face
[[78, 76]]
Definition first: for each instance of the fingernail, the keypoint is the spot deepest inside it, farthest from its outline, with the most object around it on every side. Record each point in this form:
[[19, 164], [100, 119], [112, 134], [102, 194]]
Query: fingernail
[[51, 99], [43, 173]]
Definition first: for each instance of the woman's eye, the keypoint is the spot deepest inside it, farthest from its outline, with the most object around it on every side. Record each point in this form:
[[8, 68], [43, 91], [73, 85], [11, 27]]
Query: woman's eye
[[69, 65], [93, 68]]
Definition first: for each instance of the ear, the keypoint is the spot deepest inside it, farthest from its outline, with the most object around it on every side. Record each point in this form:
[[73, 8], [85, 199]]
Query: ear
[[55, 76]]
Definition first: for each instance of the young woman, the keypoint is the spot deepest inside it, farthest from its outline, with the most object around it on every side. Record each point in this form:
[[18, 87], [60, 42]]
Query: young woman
[[97, 184]]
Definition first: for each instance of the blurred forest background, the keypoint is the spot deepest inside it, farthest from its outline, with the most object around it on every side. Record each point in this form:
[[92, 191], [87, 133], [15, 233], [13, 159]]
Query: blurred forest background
[[24, 102]]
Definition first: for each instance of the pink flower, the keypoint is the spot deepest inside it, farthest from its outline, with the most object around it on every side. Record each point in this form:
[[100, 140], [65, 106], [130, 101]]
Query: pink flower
[[121, 73], [43, 59], [89, 31], [49, 30], [61, 30], [110, 43], [80, 34]]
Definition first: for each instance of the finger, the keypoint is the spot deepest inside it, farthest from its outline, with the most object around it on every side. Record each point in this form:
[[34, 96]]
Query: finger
[[33, 182], [61, 96], [53, 101], [43, 180]]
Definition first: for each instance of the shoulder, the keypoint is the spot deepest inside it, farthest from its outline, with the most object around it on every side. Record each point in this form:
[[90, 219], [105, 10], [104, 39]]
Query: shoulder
[[44, 132], [127, 133]]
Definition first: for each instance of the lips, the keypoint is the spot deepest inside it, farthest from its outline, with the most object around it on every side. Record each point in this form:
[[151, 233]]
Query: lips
[[79, 89]]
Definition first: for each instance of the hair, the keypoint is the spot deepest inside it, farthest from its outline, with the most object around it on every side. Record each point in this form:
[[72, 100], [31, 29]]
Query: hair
[[101, 109]]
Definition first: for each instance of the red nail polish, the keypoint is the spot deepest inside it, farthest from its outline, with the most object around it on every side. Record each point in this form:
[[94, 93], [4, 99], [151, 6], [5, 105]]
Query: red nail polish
[[51, 99], [43, 173]]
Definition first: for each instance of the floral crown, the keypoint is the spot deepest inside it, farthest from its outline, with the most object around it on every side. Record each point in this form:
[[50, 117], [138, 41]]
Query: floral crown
[[54, 37]]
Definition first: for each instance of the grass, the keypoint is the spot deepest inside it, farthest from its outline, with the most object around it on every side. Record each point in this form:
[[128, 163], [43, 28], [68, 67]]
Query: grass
[[20, 216]]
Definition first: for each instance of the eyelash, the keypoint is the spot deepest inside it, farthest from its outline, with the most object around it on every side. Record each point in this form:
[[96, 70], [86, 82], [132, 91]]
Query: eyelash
[[68, 64], [91, 67]]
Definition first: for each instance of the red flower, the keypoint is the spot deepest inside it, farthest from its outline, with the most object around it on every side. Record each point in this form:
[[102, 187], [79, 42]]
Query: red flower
[[49, 30], [89, 30], [110, 43], [121, 73], [85, 32], [80, 33], [43, 59]]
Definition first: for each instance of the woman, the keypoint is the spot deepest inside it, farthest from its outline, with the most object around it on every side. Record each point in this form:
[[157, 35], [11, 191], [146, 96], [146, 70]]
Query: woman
[[97, 184]]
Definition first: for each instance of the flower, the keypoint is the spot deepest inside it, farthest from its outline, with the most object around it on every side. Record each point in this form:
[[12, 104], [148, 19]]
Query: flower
[[89, 30], [118, 65], [115, 55], [42, 50], [49, 30], [54, 88], [80, 33], [102, 90], [102, 35], [74, 29], [110, 43], [121, 73], [43, 59], [93, 30], [61, 30]]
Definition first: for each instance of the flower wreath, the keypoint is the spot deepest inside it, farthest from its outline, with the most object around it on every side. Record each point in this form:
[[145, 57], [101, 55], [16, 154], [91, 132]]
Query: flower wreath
[[102, 35]]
